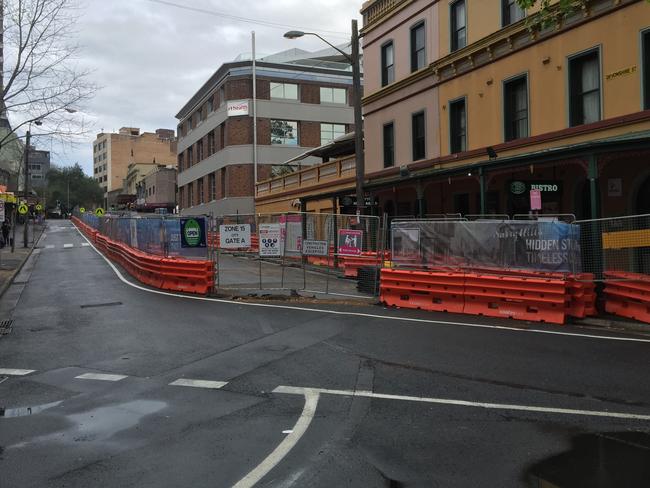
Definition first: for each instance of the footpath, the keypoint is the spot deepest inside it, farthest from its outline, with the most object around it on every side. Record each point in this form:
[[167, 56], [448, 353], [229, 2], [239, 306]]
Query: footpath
[[12, 262]]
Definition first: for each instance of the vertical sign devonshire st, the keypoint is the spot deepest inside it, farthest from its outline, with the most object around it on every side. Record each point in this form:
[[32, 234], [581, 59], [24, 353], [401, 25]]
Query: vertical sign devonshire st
[[193, 232]]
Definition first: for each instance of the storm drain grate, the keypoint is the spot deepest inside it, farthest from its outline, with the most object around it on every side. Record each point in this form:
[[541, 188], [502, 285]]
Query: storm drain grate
[[97, 305], [5, 326]]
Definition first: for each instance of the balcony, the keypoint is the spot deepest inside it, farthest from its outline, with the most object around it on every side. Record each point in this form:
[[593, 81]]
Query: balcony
[[305, 179]]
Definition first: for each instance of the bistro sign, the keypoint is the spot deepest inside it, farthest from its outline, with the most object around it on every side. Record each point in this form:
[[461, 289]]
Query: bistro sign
[[521, 187]]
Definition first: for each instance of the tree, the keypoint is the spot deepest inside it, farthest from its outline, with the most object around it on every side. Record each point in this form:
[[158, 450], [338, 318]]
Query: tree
[[41, 81], [84, 190]]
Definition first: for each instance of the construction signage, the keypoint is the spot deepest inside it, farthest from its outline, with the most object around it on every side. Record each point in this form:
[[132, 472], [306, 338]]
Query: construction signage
[[235, 236], [350, 242], [312, 247], [270, 240], [193, 232]]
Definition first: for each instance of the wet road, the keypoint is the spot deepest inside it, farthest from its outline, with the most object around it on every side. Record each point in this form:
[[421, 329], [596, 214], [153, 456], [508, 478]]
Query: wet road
[[105, 384]]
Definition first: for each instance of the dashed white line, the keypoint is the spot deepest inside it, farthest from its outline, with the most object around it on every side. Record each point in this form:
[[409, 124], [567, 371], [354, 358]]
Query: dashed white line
[[215, 385], [100, 377], [85, 244], [66, 246], [49, 246], [15, 372], [278, 454], [292, 390], [370, 315]]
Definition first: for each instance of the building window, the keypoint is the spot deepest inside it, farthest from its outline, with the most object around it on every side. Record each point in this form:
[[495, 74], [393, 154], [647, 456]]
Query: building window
[[584, 89], [190, 157], [515, 108], [333, 95], [511, 12], [181, 195], [222, 96], [418, 136], [190, 195], [199, 151], [284, 132], [387, 64], [458, 25], [329, 132], [389, 145], [222, 181], [180, 162], [646, 69], [211, 143], [199, 183], [212, 186], [457, 126], [210, 105], [222, 136], [285, 91], [36, 177], [418, 48]]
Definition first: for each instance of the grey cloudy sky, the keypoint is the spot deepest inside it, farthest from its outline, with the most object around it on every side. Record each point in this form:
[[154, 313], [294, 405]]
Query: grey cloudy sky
[[149, 58]]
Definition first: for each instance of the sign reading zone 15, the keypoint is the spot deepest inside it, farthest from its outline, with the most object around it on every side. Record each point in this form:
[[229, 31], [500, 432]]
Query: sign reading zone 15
[[193, 232]]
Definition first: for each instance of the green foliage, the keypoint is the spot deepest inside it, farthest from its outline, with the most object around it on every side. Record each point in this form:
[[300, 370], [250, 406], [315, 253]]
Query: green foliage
[[84, 190]]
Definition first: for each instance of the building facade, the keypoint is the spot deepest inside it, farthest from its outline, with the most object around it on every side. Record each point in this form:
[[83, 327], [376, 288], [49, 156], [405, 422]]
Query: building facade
[[471, 104], [303, 101], [39, 166], [157, 190], [114, 152]]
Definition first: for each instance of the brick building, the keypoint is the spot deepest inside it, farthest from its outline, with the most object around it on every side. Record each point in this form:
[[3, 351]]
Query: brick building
[[303, 101], [114, 153]]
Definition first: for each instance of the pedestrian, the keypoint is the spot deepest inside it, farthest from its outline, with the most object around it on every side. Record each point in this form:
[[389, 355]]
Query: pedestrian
[[6, 227]]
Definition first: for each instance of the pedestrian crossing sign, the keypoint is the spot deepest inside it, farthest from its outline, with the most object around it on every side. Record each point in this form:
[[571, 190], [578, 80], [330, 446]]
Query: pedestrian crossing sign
[[99, 212], [23, 209]]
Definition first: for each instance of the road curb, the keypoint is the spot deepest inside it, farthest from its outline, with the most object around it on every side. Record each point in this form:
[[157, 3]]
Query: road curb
[[5, 286]]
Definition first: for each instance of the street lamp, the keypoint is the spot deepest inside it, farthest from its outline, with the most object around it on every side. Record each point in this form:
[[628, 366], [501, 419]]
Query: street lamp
[[353, 59], [27, 143]]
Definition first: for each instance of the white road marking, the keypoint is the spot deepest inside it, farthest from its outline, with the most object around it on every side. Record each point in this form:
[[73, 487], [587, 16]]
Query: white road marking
[[15, 372], [101, 377], [287, 431], [66, 246], [292, 390], [272, 460], [215, 385], [85, 244], [366, 315], [49, 246]]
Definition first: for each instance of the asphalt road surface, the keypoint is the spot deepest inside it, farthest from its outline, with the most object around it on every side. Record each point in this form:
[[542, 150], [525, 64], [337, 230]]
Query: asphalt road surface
[[106, 384]]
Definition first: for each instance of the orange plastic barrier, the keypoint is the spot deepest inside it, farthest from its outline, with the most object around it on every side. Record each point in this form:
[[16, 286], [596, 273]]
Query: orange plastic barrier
[[438, 292], [174, 274], [582, 296], [628, 295], [351, 264]]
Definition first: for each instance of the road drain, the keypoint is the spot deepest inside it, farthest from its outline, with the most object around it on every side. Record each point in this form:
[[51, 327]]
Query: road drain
[[5, 326], [97, 305]]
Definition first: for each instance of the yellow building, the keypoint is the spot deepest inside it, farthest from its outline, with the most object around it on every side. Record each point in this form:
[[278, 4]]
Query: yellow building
[[469, 104]]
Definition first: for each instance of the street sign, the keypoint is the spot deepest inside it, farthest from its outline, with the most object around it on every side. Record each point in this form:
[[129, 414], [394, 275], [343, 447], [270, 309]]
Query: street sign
[[270, 240], [39, 207], [82, 210], [99, 212], [311, 247], [193, 232], [23, 209], [235, 236], [350, 242]]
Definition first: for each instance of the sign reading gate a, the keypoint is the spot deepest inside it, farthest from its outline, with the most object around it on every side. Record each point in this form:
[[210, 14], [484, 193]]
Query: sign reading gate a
[[193, 232], [235, 236]]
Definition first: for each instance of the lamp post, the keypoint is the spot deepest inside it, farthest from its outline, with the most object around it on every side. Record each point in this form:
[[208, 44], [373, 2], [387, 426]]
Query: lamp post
[[28, 137], [353, 59]]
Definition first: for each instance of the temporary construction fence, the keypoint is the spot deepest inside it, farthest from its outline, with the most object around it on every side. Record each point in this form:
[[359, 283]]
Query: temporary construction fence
[[298, 251]]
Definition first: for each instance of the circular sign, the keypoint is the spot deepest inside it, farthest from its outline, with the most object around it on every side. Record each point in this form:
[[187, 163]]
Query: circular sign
[[99, 212], [23, 208], [518, 187], [39, 207], [192, 232], [82, 209]]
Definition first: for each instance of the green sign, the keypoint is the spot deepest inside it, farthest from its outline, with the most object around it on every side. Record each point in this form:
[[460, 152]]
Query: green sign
[[193, 232], [82, 210], [23, 208], [99, 212]]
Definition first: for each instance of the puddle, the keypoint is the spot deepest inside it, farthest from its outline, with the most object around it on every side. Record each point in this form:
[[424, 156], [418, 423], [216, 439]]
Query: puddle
[[27, 411], [100, 424], [601, 460]]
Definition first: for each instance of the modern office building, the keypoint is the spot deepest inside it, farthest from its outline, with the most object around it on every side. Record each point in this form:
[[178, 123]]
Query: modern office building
[[39, 166], [475, 104], [303, 101], [114, 152]]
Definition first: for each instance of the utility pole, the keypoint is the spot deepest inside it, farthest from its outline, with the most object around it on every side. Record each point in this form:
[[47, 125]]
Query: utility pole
[[26, 225], [360, 163]]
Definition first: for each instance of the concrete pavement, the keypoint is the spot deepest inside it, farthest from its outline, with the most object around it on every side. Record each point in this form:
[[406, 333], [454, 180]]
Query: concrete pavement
[[106, 384]]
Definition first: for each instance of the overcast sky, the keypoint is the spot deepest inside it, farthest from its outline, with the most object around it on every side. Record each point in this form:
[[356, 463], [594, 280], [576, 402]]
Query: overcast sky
[[150, 58]]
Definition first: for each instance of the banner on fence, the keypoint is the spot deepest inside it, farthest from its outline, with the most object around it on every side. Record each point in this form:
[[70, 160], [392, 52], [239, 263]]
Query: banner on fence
[[235, 236], [270, 240], [315, 248], [292, 232], [193, 232], [350, 242]]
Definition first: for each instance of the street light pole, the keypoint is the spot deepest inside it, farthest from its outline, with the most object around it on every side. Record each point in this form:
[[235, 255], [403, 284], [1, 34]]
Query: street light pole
[[25, 225], [354, 59]]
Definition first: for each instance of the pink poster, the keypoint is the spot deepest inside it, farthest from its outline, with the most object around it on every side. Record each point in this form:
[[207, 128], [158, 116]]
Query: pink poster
[[535, 199], [350, 242]]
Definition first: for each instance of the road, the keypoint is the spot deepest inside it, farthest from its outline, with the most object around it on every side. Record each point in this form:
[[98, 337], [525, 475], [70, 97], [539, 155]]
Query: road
[[104, 383]]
